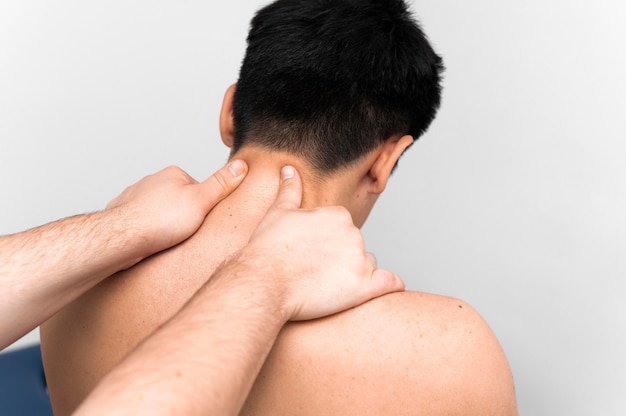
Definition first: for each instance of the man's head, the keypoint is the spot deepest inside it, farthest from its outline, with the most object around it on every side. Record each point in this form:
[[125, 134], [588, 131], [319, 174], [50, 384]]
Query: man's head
[[332, 80]]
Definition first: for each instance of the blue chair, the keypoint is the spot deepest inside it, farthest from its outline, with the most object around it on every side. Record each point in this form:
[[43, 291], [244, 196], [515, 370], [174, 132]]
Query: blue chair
[[23, 384]]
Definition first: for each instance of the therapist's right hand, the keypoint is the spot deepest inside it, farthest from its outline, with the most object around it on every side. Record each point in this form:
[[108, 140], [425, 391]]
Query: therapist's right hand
[[315, 258]]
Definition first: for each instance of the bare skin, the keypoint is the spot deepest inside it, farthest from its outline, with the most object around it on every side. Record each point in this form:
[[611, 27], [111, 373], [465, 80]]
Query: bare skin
[[405, 353], [44, 269], [226, 330], [409, 353]]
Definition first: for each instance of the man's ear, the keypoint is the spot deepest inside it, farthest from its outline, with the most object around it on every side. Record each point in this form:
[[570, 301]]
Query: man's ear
[[381, 169], [227, 126]]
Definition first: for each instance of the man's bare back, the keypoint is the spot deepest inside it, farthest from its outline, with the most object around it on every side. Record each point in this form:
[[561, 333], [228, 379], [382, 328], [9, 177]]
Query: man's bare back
[[402, 354], [407, 353]]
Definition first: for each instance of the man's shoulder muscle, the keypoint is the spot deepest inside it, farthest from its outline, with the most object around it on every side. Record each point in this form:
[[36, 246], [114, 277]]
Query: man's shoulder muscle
[[403, 353]]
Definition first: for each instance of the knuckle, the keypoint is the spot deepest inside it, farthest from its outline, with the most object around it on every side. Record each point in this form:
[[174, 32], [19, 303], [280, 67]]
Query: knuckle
[[340, 213], [169, 172], [171, 169]]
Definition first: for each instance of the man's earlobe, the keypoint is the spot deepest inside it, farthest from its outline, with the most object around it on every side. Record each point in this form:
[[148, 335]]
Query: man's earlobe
[[227, 125], [380, 171]]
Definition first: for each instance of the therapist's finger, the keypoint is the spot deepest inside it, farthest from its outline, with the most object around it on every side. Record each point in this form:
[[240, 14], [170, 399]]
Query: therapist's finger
[[290, 191], [219, 185]]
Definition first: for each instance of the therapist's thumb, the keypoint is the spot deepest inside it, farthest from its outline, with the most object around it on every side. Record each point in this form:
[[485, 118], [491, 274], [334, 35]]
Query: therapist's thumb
[[290, 191], [219, 185]]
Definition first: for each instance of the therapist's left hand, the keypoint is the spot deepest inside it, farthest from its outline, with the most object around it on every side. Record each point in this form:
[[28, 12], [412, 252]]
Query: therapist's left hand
[[170, 205]]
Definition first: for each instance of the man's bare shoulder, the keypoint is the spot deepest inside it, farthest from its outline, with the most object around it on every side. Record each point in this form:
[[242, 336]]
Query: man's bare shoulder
[[403, 353]]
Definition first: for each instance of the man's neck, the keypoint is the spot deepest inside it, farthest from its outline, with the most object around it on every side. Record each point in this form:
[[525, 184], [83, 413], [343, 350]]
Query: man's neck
[[263, 179], [230, 224]]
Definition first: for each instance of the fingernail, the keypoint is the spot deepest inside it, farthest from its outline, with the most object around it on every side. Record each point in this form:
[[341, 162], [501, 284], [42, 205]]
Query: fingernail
[[287, 173], [236, 168]]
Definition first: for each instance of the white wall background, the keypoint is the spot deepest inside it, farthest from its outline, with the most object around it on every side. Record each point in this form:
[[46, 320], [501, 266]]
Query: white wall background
[[514, 200]]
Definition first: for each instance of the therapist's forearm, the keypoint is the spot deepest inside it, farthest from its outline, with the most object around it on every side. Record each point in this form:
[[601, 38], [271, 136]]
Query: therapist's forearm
[[43, 269], [205, 359]]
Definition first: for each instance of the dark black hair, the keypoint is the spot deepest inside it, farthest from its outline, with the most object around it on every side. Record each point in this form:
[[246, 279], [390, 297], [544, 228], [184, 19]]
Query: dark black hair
[[330, 80]]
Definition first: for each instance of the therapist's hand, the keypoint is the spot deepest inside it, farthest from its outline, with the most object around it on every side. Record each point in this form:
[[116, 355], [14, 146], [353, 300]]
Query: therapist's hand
[[315, 259], [170, 205]]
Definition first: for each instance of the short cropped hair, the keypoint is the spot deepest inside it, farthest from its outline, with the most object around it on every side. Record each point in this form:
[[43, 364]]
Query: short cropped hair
[[330, 80]]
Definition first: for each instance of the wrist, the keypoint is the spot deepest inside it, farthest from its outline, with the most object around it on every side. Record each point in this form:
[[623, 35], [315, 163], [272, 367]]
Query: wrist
[[263, 280], [135, 241]]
